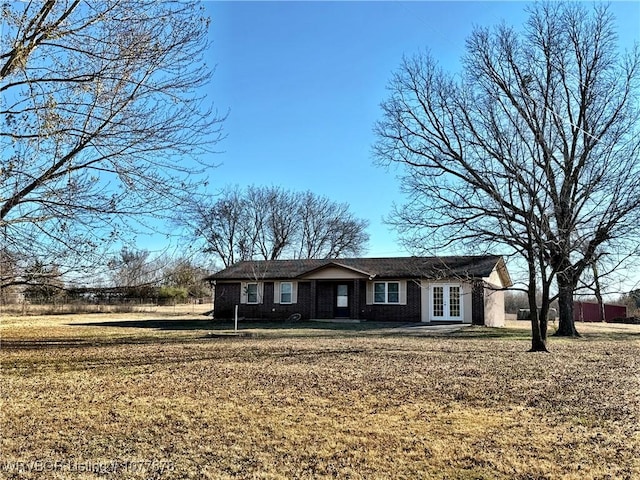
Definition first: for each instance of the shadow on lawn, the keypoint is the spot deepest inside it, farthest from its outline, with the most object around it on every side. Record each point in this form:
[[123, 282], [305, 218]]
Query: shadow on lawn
[[184, 329], [272, 327], [525, 334], [156, 324], [476, 332], [73, 342], [307, 329]]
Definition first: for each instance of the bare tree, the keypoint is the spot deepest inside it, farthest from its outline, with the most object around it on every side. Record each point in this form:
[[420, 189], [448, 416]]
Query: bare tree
[[184, 273], [42, 283], [8, 269], [270, 223], [514, 301], [101, 121], [9, 275], [273, 214], [534, 148], [327, 229], [223, 225], [132, 268], [136, 272], [605, 277]]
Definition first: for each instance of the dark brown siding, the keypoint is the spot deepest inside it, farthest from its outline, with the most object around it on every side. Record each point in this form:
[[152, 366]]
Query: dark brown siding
[[259, 311], [280, 312], [326, 295], [477, 304], [227, 296]]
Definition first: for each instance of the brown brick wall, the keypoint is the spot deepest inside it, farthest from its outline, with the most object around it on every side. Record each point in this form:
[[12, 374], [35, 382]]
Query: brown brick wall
[[396, 313], [326, 298], [228, 295]]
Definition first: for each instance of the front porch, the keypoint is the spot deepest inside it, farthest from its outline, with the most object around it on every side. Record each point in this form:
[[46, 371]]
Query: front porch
[[340, 299]]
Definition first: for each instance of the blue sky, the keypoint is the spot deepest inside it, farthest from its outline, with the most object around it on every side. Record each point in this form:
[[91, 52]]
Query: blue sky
[[303, 82]]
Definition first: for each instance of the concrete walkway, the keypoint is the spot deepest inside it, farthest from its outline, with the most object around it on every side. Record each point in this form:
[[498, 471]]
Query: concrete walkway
[[418, 328]]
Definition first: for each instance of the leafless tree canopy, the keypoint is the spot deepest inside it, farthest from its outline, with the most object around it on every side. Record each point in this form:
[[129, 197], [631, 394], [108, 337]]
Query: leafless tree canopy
[[534, 147], [134, 268], [139, 274], [101, 120], [271, 223]]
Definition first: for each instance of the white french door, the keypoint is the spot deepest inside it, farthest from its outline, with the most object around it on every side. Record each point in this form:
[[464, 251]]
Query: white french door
[[446, 302]]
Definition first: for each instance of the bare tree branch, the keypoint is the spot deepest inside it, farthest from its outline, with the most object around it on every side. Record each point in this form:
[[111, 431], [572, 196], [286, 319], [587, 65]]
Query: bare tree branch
[[101, 122], [532, 149]]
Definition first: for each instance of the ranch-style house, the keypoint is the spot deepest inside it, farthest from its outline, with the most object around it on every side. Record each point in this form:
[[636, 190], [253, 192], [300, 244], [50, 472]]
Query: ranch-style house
[[464, 289]]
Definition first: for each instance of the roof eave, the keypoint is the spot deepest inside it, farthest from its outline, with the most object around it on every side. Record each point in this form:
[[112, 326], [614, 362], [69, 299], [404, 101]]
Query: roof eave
[[338, 265], [501, 268]]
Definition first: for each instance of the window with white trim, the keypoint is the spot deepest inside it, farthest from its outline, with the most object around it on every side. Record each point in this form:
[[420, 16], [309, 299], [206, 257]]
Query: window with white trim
[[386, 292], [252, 292], [286, 292]]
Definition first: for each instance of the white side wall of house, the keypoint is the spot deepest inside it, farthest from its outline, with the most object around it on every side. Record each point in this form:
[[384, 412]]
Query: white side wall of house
[[493, 301], [494, 308], [467, 302], [494, 278]]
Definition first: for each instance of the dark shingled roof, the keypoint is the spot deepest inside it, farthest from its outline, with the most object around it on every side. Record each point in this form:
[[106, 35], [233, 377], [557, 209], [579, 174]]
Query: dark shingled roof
[[397, 267]]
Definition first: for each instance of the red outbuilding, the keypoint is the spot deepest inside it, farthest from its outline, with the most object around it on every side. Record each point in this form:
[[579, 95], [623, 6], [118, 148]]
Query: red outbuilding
[[590, 312]]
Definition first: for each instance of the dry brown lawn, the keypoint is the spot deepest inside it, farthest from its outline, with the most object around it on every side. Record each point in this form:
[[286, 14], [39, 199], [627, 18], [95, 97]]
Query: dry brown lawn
[[134, 396]]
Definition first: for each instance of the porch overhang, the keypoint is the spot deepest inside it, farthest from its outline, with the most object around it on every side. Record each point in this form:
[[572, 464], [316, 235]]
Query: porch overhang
[[335, 271]]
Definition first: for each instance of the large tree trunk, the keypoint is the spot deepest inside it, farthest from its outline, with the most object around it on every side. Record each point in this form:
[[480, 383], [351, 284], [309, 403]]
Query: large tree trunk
[[566, 324], [538, 334], [543, 315], [598, 292], [544, 305], [537, 342]]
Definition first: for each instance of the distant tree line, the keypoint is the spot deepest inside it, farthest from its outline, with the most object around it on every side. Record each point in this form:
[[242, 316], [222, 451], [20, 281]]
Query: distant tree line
[[137, 275], [134, 275]]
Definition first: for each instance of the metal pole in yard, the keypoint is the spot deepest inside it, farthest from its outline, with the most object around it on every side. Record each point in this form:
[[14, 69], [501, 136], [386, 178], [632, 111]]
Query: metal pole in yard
[[236, 318]]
